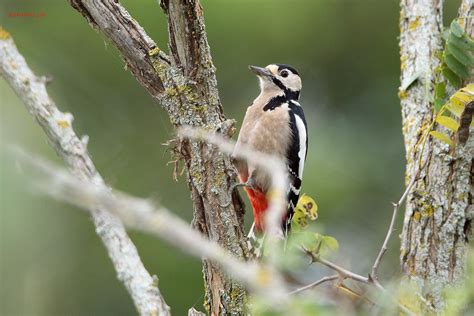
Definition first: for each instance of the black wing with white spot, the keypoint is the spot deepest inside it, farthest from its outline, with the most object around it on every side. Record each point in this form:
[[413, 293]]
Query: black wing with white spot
[[296, 156]]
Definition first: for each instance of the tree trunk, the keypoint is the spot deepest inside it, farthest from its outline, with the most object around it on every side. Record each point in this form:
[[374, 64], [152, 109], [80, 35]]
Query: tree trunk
[[210, 173], [436, 227], [185, 85]]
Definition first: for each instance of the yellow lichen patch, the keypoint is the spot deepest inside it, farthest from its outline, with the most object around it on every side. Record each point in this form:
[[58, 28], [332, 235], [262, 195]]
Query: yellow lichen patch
[[153, 52], [403, 61], [4, 34], [412, 25], [63, 123], [402, 94], [417, 216], [428, 211]]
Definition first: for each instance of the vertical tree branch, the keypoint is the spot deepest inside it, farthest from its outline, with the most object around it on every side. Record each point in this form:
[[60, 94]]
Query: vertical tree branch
[[185, 85], [58, 128], [436, 223]]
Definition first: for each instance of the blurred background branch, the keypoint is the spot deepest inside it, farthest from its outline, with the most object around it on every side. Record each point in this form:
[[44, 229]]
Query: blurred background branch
[[57, 125]]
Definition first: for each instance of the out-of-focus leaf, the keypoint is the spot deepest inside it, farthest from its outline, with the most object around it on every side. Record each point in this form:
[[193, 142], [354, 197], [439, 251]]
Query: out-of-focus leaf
[[463, 56], [458, 68], [440, 90], [442, 137], [453, 79], [447, 122], [462, 43], [456, 29], [438, 104], [331, 242], [324, 244]]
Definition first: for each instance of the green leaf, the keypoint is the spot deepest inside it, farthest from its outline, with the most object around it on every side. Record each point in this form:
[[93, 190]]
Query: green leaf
[[438, 104], [447, 122], [456, 29], [461, 43], [440, 90], [458, 68], [442, 137], [463, 56], [453, 79], [445, 34], [325, 244], [331, 242]]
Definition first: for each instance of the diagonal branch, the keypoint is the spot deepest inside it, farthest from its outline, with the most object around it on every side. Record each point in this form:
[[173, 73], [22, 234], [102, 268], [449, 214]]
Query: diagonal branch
[[57, 126], [141, 214], [315, 284]]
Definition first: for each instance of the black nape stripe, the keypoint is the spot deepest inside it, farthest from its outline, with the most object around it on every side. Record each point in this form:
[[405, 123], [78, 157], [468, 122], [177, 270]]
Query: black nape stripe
[[274, 103], [290, 94], [283, 66]]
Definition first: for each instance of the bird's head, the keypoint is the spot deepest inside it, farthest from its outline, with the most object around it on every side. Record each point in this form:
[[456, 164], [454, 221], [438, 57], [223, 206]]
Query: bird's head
[[279, 77]]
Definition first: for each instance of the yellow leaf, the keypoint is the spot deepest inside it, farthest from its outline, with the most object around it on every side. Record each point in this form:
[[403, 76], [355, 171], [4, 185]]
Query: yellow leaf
[[447, 122], [460, 98], [308, 206], [299, 219], [456, 107], [469, 88], [442, 137]]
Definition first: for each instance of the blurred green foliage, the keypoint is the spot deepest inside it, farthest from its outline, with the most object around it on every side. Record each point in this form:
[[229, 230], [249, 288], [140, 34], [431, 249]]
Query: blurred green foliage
[[51, 261]]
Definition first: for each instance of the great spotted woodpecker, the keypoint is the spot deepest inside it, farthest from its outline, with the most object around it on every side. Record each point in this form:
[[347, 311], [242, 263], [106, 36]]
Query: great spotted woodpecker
[[274, 124]]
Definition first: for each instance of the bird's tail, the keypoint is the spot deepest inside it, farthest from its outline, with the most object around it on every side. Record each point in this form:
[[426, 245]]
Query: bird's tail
[[255, 242]]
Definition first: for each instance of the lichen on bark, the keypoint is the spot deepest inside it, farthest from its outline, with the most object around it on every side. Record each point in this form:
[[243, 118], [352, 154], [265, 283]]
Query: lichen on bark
[[436, 228]]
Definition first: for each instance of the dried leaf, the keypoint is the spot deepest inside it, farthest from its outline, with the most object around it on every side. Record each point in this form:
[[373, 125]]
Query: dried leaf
[[442, 137], [448, 122]]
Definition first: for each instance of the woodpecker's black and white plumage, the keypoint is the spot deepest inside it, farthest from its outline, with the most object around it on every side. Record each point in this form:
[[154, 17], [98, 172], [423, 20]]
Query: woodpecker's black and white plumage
[[274, 124]]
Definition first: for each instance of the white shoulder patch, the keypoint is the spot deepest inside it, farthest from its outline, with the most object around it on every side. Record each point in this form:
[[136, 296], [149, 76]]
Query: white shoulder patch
[[295, 102], [302, 136]]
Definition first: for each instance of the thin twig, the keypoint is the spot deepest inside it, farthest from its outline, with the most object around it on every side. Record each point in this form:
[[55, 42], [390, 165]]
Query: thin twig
[[396, 206], [315, 284], [344, 273]]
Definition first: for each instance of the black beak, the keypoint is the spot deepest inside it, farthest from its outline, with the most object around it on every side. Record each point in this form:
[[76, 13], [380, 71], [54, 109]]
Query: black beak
[[261, 72]]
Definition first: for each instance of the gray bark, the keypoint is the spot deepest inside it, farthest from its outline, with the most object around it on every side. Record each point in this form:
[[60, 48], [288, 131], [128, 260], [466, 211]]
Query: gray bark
[[438, 215], [185, 85]]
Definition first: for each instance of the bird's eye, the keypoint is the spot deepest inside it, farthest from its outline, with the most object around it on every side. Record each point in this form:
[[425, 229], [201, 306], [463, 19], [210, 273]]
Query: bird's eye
[[284, 73]]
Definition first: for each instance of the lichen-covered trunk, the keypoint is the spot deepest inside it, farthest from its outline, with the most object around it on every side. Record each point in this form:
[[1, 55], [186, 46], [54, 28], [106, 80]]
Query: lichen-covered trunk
[[436, 227], [210, 173]]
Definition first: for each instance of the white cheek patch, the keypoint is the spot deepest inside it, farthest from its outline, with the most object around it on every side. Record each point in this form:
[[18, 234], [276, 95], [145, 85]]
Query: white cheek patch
[[293, 82], [302, 136]]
